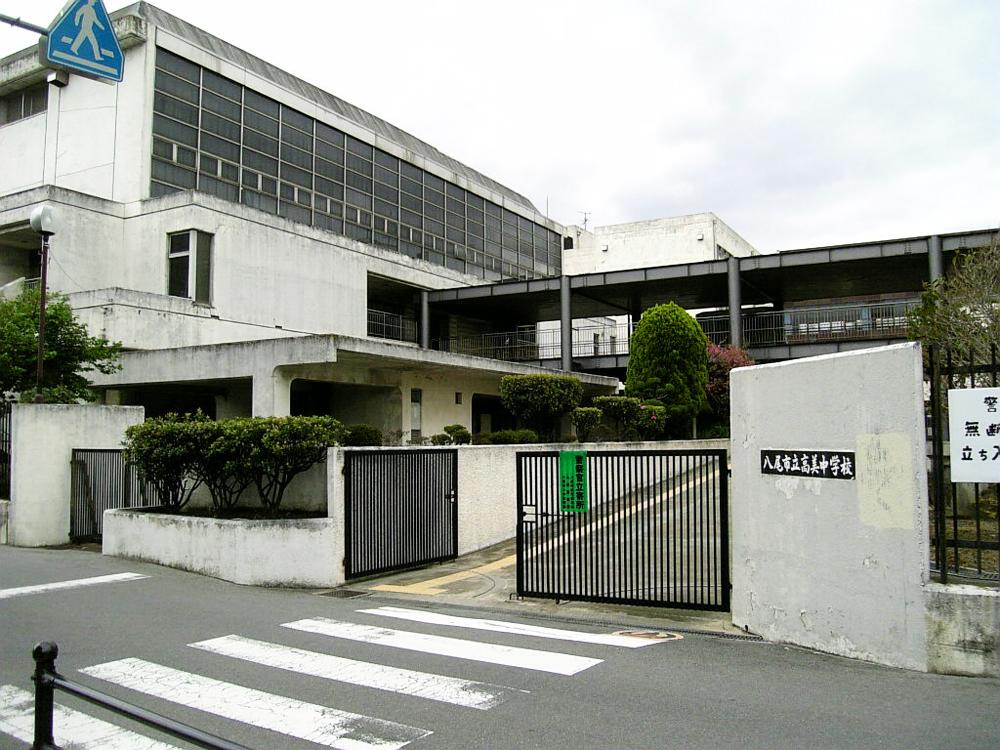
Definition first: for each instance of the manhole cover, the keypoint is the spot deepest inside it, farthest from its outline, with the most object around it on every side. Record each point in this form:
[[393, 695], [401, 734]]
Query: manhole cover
[[652, 635], [344, 594]]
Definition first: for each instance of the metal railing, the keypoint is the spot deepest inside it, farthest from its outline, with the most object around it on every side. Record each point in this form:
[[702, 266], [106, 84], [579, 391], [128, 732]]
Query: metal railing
[[531, 343], [385, 325], [47, 681], [965, 523], [101, 480]]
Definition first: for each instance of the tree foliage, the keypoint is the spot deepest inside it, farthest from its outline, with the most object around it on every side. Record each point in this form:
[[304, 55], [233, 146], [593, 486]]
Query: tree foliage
[[586, 419], [722, 359], [166, 452], [668, 362], [540, 400], [69, 350], [961, 310]]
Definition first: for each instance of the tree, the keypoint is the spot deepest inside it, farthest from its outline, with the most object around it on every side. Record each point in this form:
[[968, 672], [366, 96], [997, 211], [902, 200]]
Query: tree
[[69, 350], [962, 309], [540, 400], [668, 362], [722, 359]]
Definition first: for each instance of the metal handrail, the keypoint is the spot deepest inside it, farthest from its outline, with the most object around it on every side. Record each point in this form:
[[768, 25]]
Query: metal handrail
[[386, 325], [47, 681]]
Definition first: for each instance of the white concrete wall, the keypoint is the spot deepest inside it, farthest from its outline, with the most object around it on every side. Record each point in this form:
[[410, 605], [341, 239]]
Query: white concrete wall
[[22, 154], [830, 564], [252, 552], [963, 630], [42, 440]]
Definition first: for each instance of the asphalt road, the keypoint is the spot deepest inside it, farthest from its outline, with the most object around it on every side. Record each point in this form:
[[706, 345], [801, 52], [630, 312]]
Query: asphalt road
[[695, 692]]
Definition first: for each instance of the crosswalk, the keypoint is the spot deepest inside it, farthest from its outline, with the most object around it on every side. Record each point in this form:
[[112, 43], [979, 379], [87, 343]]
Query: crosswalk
[[324, 725]]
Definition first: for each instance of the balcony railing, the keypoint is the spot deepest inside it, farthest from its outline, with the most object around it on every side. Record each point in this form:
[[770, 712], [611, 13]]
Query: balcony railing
[[763, 329], [385, 325]]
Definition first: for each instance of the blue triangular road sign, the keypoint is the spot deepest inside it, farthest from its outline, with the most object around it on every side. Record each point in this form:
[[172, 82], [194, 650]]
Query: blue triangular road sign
[[82, 39]]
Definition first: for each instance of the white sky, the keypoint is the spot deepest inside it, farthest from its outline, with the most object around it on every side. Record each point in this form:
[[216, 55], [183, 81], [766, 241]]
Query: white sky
[[798, 123]]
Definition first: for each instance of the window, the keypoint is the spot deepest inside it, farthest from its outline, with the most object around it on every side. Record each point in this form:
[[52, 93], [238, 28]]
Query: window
[[416, 413], [189, 265], [24, 103]]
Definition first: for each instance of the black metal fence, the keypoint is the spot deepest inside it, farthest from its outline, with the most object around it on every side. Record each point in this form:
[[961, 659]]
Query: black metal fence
[[401, 509], [965, 527], [100, 480], [5, 448], [47, 680], [655, 532]]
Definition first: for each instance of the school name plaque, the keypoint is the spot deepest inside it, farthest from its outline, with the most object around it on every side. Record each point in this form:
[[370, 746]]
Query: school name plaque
[[803, 463]]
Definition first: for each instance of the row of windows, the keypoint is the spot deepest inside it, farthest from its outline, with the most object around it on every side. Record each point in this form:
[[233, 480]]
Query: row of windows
[[213, 135], [24, 103]]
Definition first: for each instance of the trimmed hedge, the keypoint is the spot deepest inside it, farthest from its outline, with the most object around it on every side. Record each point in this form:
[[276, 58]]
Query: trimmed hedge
[[363, 434], [539, 401]]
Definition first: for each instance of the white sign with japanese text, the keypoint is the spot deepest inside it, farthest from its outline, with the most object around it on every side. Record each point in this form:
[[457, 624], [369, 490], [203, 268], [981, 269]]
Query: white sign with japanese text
[[974, 431]]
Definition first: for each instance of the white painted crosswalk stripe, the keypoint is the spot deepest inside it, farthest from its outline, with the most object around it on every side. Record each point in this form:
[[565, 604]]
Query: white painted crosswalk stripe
[[434, 687], [62, 585], [502, 626], [71, 728], [295, 718], [525, 658]]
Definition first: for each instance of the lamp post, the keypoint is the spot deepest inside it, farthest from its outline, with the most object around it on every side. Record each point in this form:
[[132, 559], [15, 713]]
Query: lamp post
[[42, 221]]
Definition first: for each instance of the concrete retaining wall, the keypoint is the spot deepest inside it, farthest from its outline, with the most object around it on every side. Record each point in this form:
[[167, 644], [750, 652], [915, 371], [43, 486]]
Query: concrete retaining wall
[[43, 437], [963, 630], [832, 564]]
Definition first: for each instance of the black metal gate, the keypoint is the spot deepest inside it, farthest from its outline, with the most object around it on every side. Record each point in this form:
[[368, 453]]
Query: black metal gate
[[401, 509], [100, 480], [5, 412], [656, 531]]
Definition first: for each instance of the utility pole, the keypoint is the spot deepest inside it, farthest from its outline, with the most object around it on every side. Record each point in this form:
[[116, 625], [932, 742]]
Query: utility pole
[[42, 221]]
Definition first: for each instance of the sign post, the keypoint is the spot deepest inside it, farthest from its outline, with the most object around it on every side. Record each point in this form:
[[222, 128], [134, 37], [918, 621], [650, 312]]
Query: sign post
[[574, 493], [82, 40]]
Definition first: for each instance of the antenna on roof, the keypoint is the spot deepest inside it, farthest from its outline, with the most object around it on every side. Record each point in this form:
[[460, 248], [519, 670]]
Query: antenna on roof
[[586, 215]]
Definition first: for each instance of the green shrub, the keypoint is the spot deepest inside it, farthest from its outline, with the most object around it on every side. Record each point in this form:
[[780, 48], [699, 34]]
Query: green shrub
[[651, 422], [513, 437], [668, 361], [621, 415], [458, 434], [585, 420], [166, 452], [440, 438], [540, 400], [220, 465], [362, 434], [481, 438]]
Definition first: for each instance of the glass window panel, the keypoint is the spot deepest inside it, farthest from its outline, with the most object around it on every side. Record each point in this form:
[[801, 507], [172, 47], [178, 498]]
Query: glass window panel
[[329, 223], [259, 201], [219, 147], [359, 164], [327, 187], [455, 234], [474, 229], [209, 164], [456, 264], [182, 178], [386, 192], [269, 185], [251, 179], [260, 122], [177, 65], [260, 142], [411, 202], [433, 226], [434, 182], [492, 209], [476, 242], [296, 156], [329, 169], [295, 213], [297, 138], [177, 285], [409, 217], [174, 130], [385, 240], [437, 258], [455, 205], [492, 233], [330, 135], [411, 186], [336, 208], [509, 217], [408, 170], [433, 212], [359, 182], [429, 241], [386, 175], [435, 197], [219, 105], [321, 203], [330, 153], [261, 103], [304, 198], [356, 198], [175, 108], [474, 214], [385, 208], [359, 233], [164, 149], [220, 126], [388, 161], [492, 247], [474, 200], [298, 176], [408, 248], [214, 82], [203, 268], [524, 224], [186, 157], [296, 119], [538, 242], [454, 191], [287, 192], [454, 220], [359, 147], [180, 243]]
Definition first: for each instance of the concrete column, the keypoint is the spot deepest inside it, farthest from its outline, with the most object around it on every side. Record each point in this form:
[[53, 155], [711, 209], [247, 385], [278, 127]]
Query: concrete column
[[272, 393], [735, 302], [565, 324], [935, 260], [425, 320]]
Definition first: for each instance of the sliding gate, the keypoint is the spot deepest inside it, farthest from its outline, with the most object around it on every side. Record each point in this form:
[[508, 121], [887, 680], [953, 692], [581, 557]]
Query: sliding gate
[[401, 509], [637, 527]]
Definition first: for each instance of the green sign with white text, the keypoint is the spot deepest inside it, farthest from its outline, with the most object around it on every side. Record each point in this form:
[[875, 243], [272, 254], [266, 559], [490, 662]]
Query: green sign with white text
[[574, 495]]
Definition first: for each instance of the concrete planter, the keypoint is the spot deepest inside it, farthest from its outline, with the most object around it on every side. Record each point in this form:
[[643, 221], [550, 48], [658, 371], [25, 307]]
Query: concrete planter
[[295, 552]]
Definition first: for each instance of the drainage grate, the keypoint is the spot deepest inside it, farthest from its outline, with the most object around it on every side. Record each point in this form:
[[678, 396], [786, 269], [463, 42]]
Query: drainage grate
[[344, 593]]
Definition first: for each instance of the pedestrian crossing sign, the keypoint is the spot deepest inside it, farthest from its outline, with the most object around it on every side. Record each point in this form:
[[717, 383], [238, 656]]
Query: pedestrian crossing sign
[[82, 40]]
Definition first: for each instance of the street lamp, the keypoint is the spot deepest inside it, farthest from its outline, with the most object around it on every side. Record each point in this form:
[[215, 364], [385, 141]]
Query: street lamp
[[43, 221]]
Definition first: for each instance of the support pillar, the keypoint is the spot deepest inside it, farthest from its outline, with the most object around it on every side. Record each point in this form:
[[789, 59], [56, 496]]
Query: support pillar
[[935, 260], [425, 320], [735, 302], [565, 324]]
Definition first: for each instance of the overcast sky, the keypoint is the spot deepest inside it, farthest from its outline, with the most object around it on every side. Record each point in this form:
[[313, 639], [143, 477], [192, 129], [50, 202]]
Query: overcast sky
[[798, 123]]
